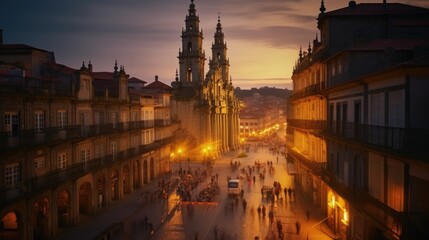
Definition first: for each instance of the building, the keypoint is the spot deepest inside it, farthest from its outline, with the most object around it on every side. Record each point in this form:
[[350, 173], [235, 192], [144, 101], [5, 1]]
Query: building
[[204, 103], [357, 120], [260, 116], [73, 141]]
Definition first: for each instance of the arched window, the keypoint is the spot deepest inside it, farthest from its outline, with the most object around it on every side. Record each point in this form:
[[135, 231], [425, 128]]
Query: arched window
[[189, 47], [218, 56], [189, 75]]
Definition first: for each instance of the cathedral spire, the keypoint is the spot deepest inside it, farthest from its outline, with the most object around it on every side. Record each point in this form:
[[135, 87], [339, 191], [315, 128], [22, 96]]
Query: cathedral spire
[[116, 66], [191, 56], [322, 7]]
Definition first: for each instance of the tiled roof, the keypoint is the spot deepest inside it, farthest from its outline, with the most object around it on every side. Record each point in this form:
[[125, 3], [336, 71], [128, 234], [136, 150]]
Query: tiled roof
[[157, 85], [20, 46], [60, 68], [377, 9], [135, 80]]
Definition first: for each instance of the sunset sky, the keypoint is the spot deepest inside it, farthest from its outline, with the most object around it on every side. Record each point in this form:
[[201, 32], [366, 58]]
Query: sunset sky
[[263, 36]]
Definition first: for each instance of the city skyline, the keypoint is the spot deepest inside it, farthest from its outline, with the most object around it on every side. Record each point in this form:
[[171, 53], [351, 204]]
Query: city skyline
[[263, 38]]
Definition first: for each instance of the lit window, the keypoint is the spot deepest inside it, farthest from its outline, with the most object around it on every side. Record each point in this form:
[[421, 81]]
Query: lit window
[[12, 174], [62, 160]]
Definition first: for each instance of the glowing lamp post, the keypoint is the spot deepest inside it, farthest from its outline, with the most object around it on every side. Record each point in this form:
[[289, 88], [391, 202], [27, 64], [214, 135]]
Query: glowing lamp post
[[180, 151]]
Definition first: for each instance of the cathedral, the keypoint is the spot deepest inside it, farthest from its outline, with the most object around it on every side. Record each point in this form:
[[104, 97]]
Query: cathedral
[[204, 103]]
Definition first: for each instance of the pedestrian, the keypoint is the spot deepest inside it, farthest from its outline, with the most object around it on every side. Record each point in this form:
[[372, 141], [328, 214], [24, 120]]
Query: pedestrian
[[216, 229], [293, 191], [259, 211], [271, 216], [277, 192], [254, 179], [150, 229], [264, 211], [277, 159], [298, 226], [308, 214], [285, 190], [146, 221], [244, 204], [280, 229]]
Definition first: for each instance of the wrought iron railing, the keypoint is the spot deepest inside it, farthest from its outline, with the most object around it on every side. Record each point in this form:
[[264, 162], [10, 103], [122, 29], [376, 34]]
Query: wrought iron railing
[[29, 185], [400, 139], [307, 124], [31, 138]]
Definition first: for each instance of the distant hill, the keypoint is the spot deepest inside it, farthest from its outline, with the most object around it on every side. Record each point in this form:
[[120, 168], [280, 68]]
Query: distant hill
[[263, 91]]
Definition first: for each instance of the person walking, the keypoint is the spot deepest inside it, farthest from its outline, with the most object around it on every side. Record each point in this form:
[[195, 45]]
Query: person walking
[[298, 226], [285, 191], [280, 229], [244, 204], [264, 211], [308, 214], [271, 216]]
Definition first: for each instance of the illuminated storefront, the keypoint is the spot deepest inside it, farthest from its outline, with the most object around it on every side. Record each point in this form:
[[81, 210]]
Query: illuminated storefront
[[338, 214]]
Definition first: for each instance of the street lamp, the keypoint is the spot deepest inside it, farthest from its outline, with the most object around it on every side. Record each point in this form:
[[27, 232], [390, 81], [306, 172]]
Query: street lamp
[[179, 151]]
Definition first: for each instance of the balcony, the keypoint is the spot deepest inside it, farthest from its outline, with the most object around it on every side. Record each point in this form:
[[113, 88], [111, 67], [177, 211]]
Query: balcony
[[25, 86], [308, 91], [55, 178], [318, 125], [399, 139], [32, 138], [315, 167]]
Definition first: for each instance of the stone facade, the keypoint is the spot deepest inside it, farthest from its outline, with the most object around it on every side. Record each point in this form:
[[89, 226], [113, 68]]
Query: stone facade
[[355, 125], [73, 141], [204, 103]]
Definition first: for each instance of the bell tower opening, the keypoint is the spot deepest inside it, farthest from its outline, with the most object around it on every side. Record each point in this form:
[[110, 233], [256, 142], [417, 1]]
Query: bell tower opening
[[189, 75]]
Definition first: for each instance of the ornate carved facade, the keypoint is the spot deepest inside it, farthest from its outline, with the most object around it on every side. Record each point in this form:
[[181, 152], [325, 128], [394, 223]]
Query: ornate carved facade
[[72, 141], [205, 104]]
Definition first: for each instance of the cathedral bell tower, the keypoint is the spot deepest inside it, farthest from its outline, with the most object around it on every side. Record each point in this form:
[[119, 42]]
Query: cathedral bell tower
[[219, 58], [191, 56]]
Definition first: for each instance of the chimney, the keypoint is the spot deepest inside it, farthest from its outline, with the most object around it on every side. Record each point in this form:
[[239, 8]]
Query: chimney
[[156, 78]]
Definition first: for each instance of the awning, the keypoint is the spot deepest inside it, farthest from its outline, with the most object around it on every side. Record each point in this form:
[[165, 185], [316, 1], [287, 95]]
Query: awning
[[291, 168]]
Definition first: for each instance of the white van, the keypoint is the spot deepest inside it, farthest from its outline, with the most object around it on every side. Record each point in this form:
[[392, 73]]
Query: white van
[[234, 187]]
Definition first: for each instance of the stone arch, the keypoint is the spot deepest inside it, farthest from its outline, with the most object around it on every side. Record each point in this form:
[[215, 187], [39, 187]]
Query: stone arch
[[126, 182], [41, 219], [101, 191], [64, 208], [136, 174], [145, 172], [114, 185], [85, 198], [10, 226], [152, 169]]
